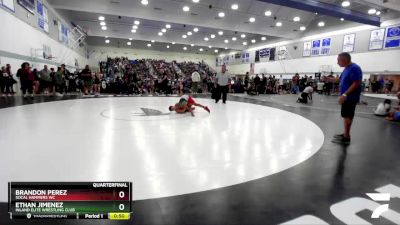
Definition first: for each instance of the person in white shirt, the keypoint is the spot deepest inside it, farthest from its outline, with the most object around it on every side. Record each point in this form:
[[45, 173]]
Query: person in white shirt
[[195, 81], [306, 94], [383, 108], [222, 80]]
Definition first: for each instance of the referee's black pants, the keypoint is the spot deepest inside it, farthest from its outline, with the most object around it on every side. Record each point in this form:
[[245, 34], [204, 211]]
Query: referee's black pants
[[221, 90]]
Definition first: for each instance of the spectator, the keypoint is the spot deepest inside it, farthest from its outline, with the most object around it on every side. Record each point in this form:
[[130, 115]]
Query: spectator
[[26, 79], [59, 81], [87, 80], [45, 80], [195, 81]]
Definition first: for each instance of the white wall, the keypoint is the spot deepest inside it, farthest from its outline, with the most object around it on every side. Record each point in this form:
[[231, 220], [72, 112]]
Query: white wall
[[19, 38], [99, 53]]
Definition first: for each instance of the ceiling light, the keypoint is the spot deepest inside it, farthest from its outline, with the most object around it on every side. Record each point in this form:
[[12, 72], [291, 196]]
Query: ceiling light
[[106, 36], [184, 48], [130, 39], [152, 41], [192, 45], [101, 18], [136, 22], [196, 1], [226, 48], [201, 49], [378, 13], [216, 50], [189, 33], [234, 38], [234, 6], [245, 43], [346, 3], [221, 14], [220, 33], [160, 33], [184, 36], [107, 41], [186, 8], [209, 46], [168, 26], [321, 24], [206, 39], [252, 19], [129, 43], [263, 38], [102, 23], [212, 35], [167, 46], [278, 24], [173, 43], [104, 28], [195, 29], [226, 41], [133, 31], [268, 13], [135, 27], [372, 11], [341, 19], [253, 41], [302, 28], [296, 19], [145, 2], [316, 13], [163, 30], [243, 36], [149, 45]]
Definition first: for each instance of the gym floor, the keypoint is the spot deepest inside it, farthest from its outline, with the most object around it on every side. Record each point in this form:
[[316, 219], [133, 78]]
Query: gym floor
[[304, 178]]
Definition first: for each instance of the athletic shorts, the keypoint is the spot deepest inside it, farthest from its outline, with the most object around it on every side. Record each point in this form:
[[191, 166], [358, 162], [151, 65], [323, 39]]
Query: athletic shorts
[[396, 116], [348, 109]]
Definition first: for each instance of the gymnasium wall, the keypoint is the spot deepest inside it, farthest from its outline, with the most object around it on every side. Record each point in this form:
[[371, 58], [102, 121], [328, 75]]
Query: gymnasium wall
[[99, 53], [20, 34], [376, 61]]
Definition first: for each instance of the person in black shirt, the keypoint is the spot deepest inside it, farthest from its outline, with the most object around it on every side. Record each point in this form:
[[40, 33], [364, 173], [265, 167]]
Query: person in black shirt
[[87, 79]]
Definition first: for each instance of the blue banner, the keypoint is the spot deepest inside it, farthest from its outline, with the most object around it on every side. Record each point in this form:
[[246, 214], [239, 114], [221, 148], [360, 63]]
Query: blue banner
[[393, 37], [264, 53]]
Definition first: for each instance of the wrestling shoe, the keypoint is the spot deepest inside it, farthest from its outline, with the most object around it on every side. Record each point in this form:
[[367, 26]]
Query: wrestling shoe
[[207, 109], [343, 141], [338, 136]]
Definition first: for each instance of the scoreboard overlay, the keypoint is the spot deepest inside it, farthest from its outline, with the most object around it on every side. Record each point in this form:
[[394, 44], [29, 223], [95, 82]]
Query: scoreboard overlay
[[70, 200]]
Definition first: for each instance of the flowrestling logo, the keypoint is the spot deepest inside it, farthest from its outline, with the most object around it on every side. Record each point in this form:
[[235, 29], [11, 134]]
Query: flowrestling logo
[[347, 211]]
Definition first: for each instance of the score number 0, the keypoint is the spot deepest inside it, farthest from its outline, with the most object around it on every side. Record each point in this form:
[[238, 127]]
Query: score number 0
[[121, 195]]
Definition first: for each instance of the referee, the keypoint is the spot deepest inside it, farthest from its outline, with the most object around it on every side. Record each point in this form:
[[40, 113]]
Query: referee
[[350, 91], [222, 80]]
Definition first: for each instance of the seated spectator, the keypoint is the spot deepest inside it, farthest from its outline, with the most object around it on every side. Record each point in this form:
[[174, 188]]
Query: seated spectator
[[383, 108]]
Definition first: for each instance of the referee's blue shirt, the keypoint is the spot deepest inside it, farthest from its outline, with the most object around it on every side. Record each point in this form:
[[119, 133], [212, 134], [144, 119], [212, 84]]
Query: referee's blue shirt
[[350, 74]]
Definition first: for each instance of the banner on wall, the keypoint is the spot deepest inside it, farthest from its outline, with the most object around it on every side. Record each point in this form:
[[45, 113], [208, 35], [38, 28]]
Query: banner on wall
[[245, 57], [392, 37], [9, 4], [282, 52], [62, 33], [43, 16], [326, 46], [376, 39], [316, 47], [349, 42], [307, 48], [264, 53]]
